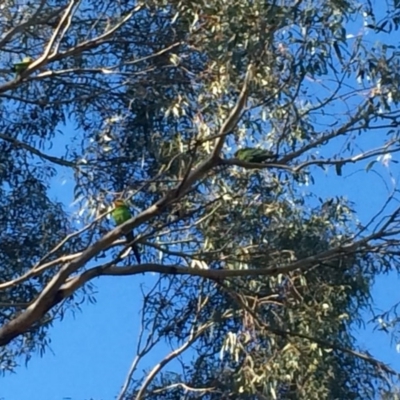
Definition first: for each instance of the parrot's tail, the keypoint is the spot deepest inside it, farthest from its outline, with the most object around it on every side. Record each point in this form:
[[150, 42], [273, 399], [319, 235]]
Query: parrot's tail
[[130, 238], [136, 253]]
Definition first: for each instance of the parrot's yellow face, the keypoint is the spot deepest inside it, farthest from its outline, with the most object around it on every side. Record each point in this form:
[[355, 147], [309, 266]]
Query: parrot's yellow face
[[119, 203]]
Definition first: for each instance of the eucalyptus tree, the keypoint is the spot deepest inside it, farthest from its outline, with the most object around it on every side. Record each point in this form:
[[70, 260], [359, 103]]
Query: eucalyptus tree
[[165, 105]]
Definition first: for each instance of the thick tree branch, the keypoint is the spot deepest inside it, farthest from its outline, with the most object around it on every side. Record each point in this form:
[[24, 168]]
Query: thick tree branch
[[109, 269]]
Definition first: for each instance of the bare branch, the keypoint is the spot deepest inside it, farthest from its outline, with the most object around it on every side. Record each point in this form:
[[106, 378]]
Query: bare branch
[[194, 335], [64, 21], [55, 160], [140, 352], [235, 115]]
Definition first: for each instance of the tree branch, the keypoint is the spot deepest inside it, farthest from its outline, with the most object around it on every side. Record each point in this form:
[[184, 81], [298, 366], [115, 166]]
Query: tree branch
[[38, 153]]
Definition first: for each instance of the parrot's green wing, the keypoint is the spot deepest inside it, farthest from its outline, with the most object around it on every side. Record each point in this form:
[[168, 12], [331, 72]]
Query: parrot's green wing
[[121, 214], [253, 155], [22, 65]]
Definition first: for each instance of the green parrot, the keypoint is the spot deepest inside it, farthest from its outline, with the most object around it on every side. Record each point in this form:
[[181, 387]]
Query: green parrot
[[121, 214], [253, 155], [21, 66]]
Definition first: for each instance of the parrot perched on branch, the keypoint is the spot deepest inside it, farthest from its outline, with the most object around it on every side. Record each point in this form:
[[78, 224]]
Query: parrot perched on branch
[[21, 66], [253, 155], [121, 214]]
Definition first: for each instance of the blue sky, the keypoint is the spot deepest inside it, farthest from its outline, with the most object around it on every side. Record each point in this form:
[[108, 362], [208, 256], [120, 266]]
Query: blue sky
[[92, 351]]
